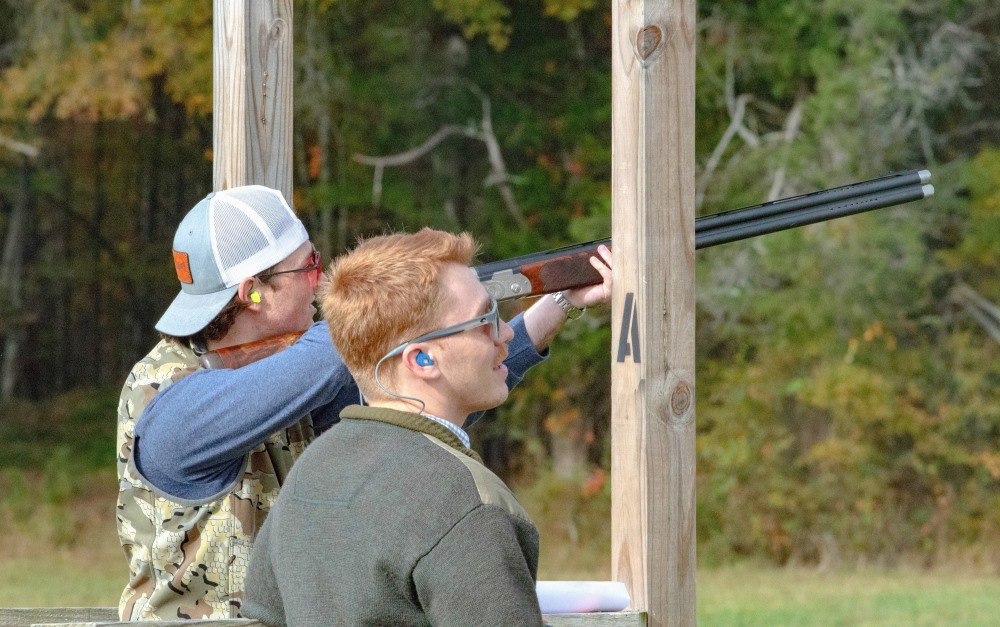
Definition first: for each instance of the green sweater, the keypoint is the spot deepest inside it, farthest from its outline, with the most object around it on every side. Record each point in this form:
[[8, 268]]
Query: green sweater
[[388, 519]]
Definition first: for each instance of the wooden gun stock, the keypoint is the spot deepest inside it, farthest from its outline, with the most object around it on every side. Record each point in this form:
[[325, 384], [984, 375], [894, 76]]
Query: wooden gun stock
[[243, 354]]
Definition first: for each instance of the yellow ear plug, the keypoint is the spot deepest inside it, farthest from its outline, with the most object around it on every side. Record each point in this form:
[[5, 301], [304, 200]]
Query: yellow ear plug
[[255, 296]]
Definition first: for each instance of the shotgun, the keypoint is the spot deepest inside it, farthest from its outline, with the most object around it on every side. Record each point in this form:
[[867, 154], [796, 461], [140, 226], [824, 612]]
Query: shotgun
[[569, 267]]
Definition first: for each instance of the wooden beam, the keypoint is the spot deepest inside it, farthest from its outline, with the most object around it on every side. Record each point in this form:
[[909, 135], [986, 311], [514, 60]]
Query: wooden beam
[[27, 616], [653, 387], [108, 617], [252, 94]]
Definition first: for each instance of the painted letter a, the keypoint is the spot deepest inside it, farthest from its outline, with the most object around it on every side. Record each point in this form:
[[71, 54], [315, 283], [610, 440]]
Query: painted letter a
[[628, 340]]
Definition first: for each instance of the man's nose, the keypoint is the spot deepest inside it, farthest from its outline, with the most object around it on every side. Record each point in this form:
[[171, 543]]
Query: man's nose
[[506, 332]]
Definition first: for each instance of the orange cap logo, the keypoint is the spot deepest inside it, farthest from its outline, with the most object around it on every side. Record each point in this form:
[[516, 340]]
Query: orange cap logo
[[183, 267]]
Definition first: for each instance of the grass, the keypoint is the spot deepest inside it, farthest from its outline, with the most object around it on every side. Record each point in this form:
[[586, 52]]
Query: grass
[[735, 595], [82, 565], [59, 547], [748, 596], [62, 551], [576, 544], [93, 571]]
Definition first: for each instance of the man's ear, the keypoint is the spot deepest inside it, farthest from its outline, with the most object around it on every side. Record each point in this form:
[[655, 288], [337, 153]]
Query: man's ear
[[417, 359], [248, 292]]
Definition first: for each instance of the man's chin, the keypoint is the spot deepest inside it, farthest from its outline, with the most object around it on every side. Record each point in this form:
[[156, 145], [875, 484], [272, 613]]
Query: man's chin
[[496, 401], [502, 397]]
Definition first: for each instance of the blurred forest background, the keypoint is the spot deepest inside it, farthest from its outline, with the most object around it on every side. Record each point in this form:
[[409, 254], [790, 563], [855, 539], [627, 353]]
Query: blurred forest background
[[848, 403]]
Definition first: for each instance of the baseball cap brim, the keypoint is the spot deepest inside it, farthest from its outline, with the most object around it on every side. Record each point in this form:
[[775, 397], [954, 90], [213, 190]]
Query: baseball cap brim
[[190, 313]]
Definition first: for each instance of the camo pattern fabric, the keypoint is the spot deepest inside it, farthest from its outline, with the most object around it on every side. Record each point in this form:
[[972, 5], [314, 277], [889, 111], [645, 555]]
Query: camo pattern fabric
[[188, 560]]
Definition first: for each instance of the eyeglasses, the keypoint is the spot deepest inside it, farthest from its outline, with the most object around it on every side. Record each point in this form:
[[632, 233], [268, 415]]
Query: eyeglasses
[[315, 267], [492, 318]]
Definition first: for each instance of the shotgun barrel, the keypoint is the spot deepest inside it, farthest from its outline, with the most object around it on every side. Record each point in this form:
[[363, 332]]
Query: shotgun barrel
[[810, 215], [908, 178]]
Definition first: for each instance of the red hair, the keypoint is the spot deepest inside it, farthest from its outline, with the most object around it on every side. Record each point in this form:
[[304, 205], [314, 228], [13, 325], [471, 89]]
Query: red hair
[[385, 292]]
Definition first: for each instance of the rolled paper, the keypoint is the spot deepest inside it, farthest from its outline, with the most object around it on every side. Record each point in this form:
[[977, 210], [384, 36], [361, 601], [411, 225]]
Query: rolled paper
[[577, 597]]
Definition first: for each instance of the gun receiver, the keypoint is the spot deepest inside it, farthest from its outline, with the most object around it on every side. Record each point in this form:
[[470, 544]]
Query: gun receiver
[[569, 267]]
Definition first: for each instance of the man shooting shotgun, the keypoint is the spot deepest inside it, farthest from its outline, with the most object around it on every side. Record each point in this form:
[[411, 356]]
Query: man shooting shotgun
[[569, 267]]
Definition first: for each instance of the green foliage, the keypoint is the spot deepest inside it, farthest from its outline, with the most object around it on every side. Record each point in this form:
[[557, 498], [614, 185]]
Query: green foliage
[[52, 454], [17, 500], [841, 401], [479, 17], [978, 254], [47, 504], [60, 436], [573, 516], [102, 61], [847, 404]]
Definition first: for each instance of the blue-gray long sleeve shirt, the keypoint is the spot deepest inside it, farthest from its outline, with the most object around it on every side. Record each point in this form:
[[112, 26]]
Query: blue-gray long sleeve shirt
[[193, 436]]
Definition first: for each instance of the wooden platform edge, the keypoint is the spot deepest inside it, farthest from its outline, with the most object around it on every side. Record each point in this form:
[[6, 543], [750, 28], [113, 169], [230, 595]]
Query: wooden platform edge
[[597, 619], [228, 622], [27, 616], [108, 617]]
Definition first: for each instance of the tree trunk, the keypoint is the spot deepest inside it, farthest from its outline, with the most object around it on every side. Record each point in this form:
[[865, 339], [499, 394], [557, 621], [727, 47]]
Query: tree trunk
[[11, 269]]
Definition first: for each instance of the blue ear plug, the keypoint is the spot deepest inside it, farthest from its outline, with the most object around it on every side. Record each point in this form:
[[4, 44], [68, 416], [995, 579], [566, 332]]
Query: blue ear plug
[[423, 359]]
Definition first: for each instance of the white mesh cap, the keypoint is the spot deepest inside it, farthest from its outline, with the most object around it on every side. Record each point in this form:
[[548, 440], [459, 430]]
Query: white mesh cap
[[227, 237]]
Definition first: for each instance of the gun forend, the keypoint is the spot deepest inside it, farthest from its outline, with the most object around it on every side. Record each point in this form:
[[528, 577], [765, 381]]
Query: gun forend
[[541, 273]]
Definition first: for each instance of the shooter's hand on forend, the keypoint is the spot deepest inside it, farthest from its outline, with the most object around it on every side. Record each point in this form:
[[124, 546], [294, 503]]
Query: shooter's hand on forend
[[599, 293]]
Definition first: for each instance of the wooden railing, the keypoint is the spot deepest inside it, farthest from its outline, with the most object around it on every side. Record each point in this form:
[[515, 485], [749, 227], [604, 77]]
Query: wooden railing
[[108, 617]]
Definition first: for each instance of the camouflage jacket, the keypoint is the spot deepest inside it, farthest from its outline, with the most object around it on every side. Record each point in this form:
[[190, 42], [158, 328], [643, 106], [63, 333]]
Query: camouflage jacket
[[188, 559]]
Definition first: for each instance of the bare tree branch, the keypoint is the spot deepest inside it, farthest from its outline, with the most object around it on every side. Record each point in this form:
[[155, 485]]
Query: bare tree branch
[[403, 158], [499, 174], [498, 168], [732, 103], [413, 154], [738, 111], [20, 147], [792, 124], [736, 107], [986, 313]]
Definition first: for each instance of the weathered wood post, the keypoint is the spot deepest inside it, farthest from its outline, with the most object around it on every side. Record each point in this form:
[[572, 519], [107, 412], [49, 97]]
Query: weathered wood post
[[252, 94], [653, 417]]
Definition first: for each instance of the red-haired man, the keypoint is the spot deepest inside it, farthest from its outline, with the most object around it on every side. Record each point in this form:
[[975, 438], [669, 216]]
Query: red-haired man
[[391, 519]]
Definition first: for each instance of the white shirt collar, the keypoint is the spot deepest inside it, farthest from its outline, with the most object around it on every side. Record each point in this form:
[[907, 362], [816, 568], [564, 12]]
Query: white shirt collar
[[458, 431]]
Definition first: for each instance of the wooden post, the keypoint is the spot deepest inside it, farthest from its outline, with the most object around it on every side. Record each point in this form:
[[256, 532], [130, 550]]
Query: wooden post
[[252, 94], [653, 417]]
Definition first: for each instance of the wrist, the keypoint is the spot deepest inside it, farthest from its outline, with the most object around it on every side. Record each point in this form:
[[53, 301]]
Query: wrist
[[572, 311]]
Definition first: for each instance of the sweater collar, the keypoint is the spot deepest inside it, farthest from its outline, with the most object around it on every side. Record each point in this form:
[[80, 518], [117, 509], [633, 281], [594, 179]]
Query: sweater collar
[[411, 421]]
